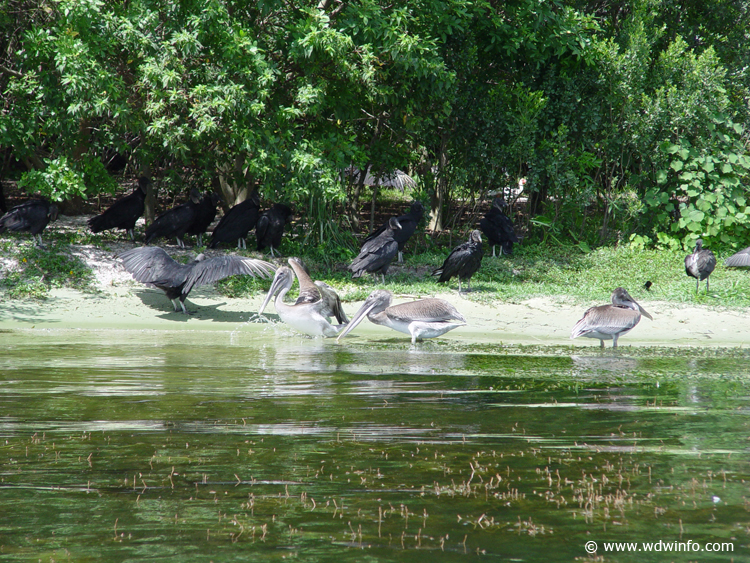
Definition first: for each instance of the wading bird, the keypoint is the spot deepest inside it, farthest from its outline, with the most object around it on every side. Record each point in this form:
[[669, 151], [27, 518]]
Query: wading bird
[[237, 222], [498, 228], [271, 225], [739, 259], [152, 265], [424, 318], [700, 264], [176, 221], [463, 262], [123, 213], [377, 253], [609, 322], [32, 216], [316, 304], [205, 213], [408, 222]]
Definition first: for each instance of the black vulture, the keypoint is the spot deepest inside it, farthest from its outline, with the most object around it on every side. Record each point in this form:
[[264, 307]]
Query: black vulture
[[123, 213], [205, 214], [30, 216], [152, 265], [237, 222], [176, 221], [700, 264], [408, 222], [739, 259], [498, 228], [377, 253], [271, 225], [463, 262]]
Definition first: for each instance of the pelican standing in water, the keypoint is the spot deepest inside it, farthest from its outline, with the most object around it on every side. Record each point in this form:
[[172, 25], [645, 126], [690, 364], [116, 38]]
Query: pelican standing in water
[[609, 322], [316, 304], [425, 318]]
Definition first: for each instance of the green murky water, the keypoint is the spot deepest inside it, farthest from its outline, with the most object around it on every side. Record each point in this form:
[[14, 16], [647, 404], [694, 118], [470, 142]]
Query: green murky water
[[183, 446]]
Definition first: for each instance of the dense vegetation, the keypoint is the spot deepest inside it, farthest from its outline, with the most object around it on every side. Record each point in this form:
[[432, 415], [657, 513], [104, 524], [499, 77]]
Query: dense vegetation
[[626, 120]]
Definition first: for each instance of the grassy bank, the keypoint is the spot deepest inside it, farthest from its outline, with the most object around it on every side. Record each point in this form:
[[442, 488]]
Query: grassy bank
[[566, 273]]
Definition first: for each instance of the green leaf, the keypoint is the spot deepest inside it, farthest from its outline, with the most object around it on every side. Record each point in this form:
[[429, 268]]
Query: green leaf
[[676, 165]]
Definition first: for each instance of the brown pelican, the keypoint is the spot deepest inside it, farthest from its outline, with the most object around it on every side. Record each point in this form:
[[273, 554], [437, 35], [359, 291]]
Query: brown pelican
[[316, 304], [425, 318], [700, 264], [609, 322], [152, 265], [463, 262]]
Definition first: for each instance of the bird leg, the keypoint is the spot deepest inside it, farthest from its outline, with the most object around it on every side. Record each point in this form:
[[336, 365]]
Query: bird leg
[[493, 251], [182, 304], [614, 341], [459, 286], [601, 344], [131, 232], [400, 257], [697, 285]]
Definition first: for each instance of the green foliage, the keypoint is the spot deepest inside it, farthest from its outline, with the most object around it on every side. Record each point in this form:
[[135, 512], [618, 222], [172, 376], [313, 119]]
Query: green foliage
[[62, 180], [707, 186]]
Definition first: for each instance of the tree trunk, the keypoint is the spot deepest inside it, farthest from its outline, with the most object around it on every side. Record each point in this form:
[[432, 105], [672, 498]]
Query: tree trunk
[[233, 182], [353, 203], [440, 195]]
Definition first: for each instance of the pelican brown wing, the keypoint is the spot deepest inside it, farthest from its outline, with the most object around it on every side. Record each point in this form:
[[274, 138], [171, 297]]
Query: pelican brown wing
[[425, 310]]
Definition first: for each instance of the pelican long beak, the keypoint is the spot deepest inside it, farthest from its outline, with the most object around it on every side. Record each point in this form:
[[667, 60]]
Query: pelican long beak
[[366, 307], [644, 312], [271, 292]]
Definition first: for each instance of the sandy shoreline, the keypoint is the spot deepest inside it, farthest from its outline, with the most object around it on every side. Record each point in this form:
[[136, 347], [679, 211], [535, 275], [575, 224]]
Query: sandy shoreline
[[541, 321]]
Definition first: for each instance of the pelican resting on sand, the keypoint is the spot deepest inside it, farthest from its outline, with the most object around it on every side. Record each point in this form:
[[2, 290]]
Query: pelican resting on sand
[[609, 322], [316, 304], [700, 264], [152, 265], [425, 318]]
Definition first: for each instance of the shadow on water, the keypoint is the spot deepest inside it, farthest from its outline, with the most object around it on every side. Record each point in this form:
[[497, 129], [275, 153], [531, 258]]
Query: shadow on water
[[265, 445]]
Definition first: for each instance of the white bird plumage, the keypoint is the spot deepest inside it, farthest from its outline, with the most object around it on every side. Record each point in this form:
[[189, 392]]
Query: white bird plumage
[[316, 304]]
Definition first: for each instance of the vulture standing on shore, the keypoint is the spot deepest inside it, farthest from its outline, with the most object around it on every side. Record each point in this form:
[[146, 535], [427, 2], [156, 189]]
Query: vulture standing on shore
[[175, 222], [270, 226], [378, 252], [498, 228], [123, 213], [237, 222], [408, 221], [204, 216], [463, 262], [32, 216]]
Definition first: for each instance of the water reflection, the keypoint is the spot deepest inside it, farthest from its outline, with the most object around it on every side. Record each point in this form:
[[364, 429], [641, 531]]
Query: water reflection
[[245, 445]]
